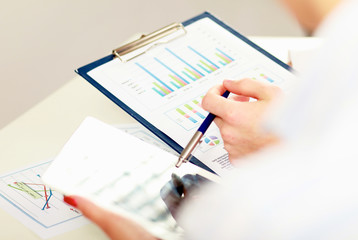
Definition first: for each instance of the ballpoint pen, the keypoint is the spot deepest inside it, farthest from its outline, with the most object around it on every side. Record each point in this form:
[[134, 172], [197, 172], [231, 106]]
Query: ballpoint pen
[[196, 139]]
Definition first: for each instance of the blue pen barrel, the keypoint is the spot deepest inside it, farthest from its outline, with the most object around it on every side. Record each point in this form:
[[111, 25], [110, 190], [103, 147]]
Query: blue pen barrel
[[210, 118], [195, 140]]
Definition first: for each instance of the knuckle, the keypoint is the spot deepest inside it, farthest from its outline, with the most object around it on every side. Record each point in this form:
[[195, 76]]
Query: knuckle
[[228, 136], [224, 134], [245, 80], [243, 83], [275, 90], [230, 116], [206, 102]]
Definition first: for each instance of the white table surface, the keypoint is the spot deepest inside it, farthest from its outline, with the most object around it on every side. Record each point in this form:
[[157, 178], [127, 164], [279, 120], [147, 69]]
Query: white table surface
[[40, 132]]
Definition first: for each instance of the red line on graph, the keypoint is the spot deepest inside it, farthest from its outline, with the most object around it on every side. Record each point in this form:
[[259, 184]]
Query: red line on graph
[[46, 197], [45, 191]]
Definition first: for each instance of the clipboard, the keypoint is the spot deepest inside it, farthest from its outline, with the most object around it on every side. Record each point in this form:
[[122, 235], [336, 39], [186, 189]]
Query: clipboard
[[130, 51]]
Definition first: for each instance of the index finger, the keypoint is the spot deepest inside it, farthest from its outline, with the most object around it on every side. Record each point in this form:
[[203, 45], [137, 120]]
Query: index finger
[[252, 88], [214, 103]]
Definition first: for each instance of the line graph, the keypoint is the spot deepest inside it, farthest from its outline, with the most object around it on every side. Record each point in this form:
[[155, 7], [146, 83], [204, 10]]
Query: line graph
[[28, 188], [38, 206]]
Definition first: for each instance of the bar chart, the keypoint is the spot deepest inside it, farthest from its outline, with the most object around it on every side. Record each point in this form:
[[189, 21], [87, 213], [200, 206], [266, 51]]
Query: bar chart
[[183, 67], [225, 59], [189, 115], [263, 75]]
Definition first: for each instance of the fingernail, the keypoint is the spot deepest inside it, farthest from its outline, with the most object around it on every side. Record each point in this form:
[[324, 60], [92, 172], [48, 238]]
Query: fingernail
[[70, 200]]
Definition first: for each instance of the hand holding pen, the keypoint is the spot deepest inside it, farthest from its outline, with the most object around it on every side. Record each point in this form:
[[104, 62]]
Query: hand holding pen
[[196, 139], [240, 118]]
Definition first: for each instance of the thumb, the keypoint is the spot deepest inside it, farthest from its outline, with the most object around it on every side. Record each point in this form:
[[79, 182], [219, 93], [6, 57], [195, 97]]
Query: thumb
[[250, 88]]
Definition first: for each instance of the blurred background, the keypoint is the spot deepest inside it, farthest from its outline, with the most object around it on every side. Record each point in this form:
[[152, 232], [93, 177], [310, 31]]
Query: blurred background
[[43, 41]]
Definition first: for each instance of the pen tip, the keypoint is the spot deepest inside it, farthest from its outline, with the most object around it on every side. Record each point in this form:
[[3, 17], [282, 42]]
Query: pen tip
[[181, 160]]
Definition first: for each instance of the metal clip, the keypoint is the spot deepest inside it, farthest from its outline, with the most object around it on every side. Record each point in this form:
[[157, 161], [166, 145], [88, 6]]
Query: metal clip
[[147, 42]]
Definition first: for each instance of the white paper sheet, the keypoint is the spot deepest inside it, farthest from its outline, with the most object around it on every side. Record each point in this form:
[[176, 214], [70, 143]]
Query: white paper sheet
[[116, 171], [24, 196]]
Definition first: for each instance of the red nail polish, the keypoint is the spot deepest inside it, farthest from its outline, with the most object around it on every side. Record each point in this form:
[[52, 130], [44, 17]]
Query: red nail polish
[[70, 200]]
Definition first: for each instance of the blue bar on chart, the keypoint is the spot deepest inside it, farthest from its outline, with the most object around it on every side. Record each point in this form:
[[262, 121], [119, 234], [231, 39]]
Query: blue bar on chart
[[188, 115], [205, 63], [160, 92], [175, 85], [194, 111], [261, 74], [263, 77], [160, 87], [267, 78], [224, 58], [192, 71], [179, 81], [186, 74], [184, 114]]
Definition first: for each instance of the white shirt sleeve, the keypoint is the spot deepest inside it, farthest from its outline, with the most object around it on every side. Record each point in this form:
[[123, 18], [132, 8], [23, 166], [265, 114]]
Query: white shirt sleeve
[[307, 188]]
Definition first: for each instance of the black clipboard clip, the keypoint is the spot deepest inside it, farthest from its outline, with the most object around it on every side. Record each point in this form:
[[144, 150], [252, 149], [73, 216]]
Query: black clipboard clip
[[146, 42]]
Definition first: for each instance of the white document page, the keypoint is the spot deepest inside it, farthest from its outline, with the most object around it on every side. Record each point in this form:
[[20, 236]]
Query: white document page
[[139, 131], [166, 85], [40, 208], [121, 173]]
